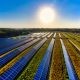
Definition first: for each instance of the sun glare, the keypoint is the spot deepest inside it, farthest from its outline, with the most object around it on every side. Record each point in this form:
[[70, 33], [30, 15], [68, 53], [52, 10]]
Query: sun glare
[[46, 15]]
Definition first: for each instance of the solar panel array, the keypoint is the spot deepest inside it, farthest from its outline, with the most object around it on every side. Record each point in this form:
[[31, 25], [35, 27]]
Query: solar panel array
[[2, 51], [43, 68], [14, 53], [70, 68], [11, 41], [11, 73], [50, 35]]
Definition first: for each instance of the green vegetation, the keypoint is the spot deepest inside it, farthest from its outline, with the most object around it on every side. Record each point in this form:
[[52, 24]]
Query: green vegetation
[[72, 39], [1, 32], [75, 57], [75, 36], [30, 69], [58, 69], [7, 32]]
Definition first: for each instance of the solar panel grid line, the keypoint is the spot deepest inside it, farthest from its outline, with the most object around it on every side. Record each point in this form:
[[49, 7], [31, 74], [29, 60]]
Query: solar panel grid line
[[20, 62], [15, 41], [1, 78], [11, 55], [25, 59], [9, 48], [28, 43], [40, 43], [14, 46], [21, 47], [40, 69], [12, 70], [39, 78], [45, 71], [44, 65], [7, 58], [70, 68]]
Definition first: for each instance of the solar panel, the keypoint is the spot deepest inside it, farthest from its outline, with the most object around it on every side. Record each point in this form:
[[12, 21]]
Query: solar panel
[[2, 51], [43, 68], [14, 53], [70, 68], [11, 73]]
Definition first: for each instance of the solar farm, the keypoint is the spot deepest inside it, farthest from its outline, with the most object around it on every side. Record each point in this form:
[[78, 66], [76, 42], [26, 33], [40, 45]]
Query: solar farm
[[40, 56]]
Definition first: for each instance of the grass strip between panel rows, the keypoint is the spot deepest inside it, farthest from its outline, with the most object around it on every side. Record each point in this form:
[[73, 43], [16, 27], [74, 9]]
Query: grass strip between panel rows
[[30, 69], [58, 68]]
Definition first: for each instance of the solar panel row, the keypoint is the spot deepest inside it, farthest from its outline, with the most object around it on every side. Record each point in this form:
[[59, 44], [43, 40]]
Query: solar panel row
[[45, 35], [49, 35], [43, 68], [54, 35], [70, 68], [14, 53], [2, 51], [11, 73], [4, 42], [10, 41]]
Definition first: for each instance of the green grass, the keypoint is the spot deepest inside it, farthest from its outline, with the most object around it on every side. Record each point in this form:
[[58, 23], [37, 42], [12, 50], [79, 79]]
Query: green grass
[[58, 68], [73, 40], [1, 32], [30, 69], [76, 36], [75, 57]]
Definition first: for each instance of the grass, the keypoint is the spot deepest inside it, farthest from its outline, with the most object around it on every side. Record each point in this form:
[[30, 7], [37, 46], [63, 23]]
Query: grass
[[30, 69], [13, 61], [1, 32], [74, 36], [58, 69], [72, 39], [75, 57], [76, 43]]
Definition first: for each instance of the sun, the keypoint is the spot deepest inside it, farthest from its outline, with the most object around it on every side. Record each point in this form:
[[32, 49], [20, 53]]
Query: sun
[[46, 15]]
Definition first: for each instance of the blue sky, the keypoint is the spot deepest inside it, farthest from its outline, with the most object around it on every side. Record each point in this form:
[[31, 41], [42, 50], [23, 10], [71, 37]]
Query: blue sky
[[25, 10]]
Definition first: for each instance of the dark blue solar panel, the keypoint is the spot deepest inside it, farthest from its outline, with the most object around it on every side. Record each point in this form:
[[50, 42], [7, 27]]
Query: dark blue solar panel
[[11, 73], [14, 53], [70, 68], [2, 51], [43, 68], [8, 57]]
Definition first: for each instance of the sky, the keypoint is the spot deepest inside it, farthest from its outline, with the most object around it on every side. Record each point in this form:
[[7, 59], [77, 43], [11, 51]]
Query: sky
[[23, 13]]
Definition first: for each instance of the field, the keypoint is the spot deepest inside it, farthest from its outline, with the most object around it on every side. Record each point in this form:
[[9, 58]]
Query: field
[[40, 56]]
